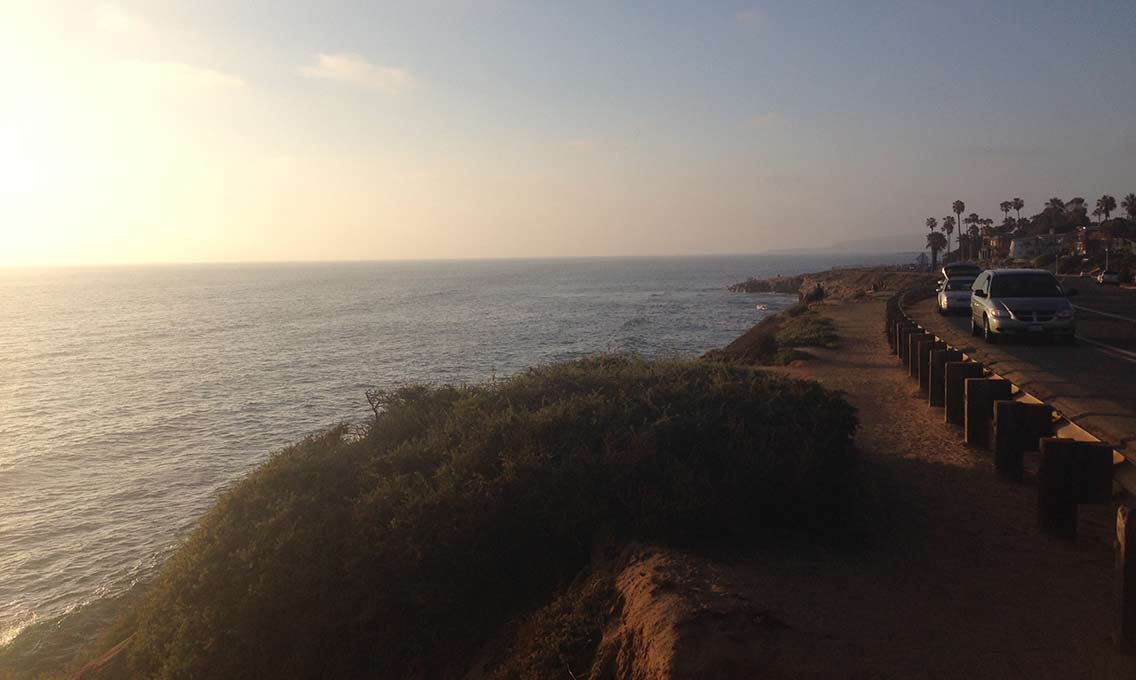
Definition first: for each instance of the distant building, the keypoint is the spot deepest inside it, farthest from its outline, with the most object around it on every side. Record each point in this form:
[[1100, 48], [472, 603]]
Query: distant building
[[996, 246], [1125, 245], [1091, 241], [1026, 247]]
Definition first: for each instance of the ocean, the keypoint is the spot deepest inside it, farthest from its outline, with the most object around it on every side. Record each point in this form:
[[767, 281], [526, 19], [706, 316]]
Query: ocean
[[130, 396]]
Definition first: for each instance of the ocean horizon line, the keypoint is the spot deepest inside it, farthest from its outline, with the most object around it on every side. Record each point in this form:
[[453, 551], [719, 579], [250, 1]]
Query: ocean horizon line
[[436, 260]]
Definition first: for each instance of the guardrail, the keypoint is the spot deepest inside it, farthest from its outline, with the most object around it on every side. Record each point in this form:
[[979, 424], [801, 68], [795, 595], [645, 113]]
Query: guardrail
[[1075, 467]]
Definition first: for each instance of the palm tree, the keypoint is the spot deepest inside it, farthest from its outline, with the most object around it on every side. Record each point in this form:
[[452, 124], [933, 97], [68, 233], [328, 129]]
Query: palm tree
[[936, 242], [1005, 207], [1098, 213], [1106, 204], [1077, 212], [1129, 204], [962, 246], [931, 223], [973, 233], [1017, 204], [971, 221], [988, 231], [1054, 212], [948, 228], [957, 207]]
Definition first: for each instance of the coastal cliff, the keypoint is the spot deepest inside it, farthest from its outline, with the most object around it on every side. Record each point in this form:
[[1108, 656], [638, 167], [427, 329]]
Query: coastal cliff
[[845, 283], [516, 530], [624, 520], [483, 531]]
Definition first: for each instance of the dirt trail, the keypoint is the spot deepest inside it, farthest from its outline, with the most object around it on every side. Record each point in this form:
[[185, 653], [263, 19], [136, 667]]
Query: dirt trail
[[959, 582], [956, 581]]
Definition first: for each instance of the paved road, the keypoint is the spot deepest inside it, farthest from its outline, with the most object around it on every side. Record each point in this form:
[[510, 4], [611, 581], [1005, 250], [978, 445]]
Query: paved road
[[1093, 383], [1105, 314]]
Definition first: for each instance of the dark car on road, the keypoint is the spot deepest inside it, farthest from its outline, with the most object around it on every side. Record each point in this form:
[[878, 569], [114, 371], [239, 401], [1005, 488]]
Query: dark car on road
[[1007, 302], [961, 270], [1108, 276]]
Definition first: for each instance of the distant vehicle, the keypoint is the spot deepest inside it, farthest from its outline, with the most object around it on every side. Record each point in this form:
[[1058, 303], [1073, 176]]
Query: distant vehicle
[[961, 270], [954, 295], [1021, 302], [1108, 277]]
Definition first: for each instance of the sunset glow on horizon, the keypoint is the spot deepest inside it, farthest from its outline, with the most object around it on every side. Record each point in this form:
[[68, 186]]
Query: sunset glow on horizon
[[151, 131]]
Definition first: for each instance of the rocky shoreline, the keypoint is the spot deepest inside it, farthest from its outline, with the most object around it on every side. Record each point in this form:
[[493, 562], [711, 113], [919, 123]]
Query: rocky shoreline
[[840, 284], [787, 285]]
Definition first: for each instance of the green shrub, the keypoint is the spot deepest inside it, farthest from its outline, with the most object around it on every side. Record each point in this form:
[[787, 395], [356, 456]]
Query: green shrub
[[773, 339], [398, 552], [807, 330], [560, 636], [814, 295]]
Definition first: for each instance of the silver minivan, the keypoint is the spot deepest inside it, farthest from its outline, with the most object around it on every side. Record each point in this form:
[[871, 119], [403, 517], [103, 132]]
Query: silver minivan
[[1007, 302], [954, 295]]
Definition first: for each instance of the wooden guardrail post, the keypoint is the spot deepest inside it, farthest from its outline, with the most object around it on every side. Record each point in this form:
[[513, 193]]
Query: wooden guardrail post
[[1070, 473], [895, 327], [978, 414], [897, 332], [955, 374], [889, 324], [912, 360], [937, 374], [1018, 427], [892, 316], [924, 364], [905, 331], [1125, 577], [905, 341]]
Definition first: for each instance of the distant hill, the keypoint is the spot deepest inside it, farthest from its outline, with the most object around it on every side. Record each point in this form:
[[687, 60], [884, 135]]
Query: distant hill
[[895, 243]]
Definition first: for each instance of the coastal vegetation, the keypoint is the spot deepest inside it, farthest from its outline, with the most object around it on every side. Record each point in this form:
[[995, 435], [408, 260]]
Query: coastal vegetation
[[775, 340], [403, 547]]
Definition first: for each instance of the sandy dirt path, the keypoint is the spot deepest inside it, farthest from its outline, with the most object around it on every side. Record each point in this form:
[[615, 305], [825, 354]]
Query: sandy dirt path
[[956, 581]]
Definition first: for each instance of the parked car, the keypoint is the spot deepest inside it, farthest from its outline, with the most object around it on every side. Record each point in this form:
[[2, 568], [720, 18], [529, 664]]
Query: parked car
[[954, 295], [1007, 302], [961, 270], [1108, 276]]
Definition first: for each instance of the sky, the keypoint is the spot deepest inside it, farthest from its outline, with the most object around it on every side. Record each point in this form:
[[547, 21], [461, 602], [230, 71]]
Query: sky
[[216, 131]]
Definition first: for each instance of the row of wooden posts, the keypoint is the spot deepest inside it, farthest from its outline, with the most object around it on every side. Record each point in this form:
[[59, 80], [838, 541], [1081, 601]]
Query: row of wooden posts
[[994, 415]]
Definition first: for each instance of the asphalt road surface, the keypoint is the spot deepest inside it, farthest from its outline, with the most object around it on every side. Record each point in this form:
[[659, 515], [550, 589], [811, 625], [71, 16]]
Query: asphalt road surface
[[1093, 382], [1105, 314]]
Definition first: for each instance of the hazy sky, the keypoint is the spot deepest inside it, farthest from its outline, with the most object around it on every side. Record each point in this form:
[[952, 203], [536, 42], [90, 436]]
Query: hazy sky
[[255, 130]]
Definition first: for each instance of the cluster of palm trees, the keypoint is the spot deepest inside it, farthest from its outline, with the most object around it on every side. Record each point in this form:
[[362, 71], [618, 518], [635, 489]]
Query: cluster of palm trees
[[1015, 204], [939, 238]]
